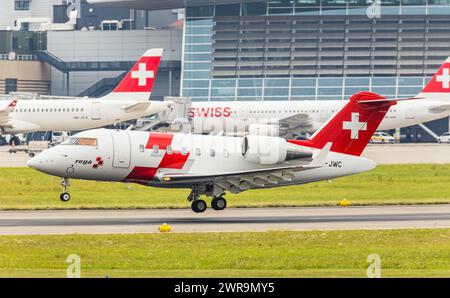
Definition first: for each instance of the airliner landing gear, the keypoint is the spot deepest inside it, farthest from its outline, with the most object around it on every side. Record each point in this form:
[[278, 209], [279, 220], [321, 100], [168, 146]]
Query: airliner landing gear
[[198, 206], [219, 203], [65, 196]]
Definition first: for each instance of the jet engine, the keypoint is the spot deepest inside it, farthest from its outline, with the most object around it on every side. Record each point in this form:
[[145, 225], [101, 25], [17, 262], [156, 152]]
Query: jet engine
[[266, 150]]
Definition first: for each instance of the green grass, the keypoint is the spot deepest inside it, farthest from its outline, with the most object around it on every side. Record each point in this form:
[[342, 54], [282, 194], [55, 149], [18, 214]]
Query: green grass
[[24, 188], [406, 253]]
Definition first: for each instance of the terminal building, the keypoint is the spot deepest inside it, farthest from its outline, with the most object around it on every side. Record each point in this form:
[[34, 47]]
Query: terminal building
[[254, 50]]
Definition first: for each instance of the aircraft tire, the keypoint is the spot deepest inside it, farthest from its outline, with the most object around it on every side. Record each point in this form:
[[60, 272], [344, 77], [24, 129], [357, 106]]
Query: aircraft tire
[[198, 206], [219, 203], [65, 196]]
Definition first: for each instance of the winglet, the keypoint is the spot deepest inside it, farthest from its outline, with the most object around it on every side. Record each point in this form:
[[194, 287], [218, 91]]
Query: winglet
[[321, 157]]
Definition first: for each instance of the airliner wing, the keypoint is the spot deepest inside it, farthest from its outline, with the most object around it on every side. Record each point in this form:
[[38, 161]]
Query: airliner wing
[[6, 107], [298, 122]]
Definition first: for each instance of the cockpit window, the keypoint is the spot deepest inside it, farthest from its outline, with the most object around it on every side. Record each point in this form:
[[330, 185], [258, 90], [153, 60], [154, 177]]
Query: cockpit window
[[81, 141]]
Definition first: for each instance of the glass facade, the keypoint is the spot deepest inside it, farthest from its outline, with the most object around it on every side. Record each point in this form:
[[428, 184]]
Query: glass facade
[[311, 49]]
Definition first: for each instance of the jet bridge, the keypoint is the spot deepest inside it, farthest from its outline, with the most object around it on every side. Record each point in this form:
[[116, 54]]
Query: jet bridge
[[175, 119]]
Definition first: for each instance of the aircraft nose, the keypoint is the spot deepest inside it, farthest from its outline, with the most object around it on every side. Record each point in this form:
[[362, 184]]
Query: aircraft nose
[[35, 162]]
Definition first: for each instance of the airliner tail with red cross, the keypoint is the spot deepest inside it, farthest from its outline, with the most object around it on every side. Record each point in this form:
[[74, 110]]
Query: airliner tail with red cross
[[138, 82]]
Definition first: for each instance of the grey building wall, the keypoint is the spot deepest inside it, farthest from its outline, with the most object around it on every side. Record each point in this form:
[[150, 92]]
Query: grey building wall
[[112, 46], [38, 8]]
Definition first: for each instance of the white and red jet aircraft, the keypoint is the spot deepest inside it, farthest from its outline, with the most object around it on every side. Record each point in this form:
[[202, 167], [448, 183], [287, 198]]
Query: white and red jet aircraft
[[211, 165], [129, 100]]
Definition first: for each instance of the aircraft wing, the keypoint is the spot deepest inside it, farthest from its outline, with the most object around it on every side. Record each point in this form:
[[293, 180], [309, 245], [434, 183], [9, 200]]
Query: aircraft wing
[[298, 122], [243, 180], [6, 107], [139, 106]]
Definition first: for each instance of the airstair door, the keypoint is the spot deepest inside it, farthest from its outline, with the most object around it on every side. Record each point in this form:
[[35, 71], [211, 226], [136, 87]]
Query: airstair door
[[121, 149]]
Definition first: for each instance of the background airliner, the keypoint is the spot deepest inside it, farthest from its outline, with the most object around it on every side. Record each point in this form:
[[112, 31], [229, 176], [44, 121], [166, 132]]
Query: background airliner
[[129, 100], [308, 115]]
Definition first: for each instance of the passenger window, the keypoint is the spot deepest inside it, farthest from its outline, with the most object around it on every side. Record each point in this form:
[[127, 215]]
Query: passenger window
[[155, 148], [198, 152], [225, 153], [212, 152], [183, 151], [141, 148], [169, 149]]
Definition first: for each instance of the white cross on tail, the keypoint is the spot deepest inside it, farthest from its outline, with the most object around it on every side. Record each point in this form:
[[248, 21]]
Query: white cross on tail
[[142, 74], [444, 78], [354, 126]]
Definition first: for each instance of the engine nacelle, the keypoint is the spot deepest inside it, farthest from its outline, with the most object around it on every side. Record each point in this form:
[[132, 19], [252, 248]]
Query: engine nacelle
[[266, 150]]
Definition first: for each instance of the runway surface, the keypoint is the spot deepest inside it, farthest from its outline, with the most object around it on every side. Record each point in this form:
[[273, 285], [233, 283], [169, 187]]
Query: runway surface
[[230, 220]]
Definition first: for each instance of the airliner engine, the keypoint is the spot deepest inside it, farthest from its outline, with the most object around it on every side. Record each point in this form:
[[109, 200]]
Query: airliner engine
[[266, 150]]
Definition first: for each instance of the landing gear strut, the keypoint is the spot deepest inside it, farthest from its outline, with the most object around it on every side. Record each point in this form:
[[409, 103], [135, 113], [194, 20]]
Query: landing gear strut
[[219, 203], [65, 196]]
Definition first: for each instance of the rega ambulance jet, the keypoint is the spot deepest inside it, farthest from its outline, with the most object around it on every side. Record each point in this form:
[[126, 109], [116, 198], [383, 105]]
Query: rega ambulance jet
[[212, 165]]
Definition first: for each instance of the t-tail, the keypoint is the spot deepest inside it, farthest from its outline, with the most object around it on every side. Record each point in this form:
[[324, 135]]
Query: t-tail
[[350, 130], [138, 83], [438, 88]]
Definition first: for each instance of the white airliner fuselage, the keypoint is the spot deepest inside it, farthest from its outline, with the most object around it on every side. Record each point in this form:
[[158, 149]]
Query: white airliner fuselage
[[76, 114], [316, 113]]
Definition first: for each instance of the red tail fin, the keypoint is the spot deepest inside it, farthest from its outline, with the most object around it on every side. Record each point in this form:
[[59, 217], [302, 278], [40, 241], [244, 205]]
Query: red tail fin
[[138, 83], [440, 83], [351, 129]]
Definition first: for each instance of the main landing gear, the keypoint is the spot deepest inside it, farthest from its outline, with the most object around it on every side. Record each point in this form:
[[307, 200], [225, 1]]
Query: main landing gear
[[65, 196], [198, 205], [219, 203]]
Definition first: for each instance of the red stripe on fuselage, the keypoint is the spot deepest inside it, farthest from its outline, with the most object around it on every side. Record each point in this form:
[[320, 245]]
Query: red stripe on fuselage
[[173, 161], [176, 160], [162, 140], [141, 175]]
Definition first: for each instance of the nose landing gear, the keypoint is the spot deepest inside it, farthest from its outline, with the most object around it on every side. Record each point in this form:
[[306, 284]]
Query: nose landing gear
[[65, 196]]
